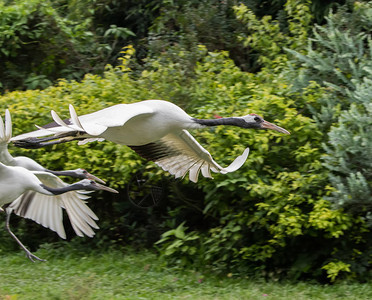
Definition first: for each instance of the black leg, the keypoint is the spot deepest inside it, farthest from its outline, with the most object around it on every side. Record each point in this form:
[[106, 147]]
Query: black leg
[[31, 256], [35, 143]]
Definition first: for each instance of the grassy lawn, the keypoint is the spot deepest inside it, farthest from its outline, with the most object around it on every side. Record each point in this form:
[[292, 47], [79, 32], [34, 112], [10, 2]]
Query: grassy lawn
[[128, 275]]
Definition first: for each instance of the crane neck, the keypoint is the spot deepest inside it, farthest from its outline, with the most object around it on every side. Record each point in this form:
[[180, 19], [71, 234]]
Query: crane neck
[[62, 190], [231, 121], [5, 156], [64, 173]]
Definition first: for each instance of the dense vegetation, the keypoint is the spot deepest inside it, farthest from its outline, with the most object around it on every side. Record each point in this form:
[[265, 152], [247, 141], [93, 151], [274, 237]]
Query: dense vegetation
[[300, 206]]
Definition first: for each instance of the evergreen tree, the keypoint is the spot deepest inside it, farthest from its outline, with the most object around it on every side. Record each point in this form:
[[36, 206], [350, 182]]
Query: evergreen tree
[[339, 58]]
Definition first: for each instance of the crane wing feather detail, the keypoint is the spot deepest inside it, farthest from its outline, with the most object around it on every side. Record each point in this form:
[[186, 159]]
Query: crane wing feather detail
[[47, 211], [181, 153], [115, 116], [42, 209]]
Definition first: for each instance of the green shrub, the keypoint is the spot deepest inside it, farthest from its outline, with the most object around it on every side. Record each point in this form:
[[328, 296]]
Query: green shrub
[[266, 35]]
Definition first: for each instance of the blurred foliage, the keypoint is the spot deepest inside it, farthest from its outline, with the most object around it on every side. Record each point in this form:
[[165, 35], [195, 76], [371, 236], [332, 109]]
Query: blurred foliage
[[267, 37], [38, 45], [273, 216]]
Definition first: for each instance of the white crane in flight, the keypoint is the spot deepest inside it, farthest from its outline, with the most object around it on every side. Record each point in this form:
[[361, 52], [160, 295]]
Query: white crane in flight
[[155, 129]]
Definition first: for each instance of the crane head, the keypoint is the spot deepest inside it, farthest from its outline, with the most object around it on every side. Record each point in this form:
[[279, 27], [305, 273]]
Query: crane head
[[88, 184], [256, 121]]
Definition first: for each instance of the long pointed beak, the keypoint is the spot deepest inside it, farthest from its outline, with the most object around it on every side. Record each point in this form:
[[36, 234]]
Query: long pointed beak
[[106, 188], [268, 125], [95, 178]]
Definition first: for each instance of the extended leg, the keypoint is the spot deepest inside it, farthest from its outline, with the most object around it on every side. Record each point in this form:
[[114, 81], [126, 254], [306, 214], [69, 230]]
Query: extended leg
[[35, 143], [31, 256]]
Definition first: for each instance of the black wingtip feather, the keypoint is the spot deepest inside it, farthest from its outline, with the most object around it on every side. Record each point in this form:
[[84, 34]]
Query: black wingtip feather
[[154, 151]]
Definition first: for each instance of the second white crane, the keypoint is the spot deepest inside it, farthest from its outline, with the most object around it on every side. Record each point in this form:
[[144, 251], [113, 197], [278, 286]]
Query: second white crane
[[42, 197]]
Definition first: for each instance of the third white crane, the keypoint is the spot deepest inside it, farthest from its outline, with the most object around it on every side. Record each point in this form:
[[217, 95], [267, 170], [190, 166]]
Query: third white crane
[[15, 181]]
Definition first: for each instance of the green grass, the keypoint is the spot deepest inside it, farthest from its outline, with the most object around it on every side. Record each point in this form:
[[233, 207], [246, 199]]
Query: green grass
[[129, 275]]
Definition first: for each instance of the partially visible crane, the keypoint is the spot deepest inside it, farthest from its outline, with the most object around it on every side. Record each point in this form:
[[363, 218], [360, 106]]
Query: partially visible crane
[[15, 181], [40, 206]]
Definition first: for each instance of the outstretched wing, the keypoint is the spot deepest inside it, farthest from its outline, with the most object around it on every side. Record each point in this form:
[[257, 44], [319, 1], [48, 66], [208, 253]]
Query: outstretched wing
[[47, 210], [92, 124], [181, 153]]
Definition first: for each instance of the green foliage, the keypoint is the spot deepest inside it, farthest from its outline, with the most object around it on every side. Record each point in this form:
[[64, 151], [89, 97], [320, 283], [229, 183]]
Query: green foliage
[[349, 158], [339, 58], [274, 205], [334, 268], [267, 37], [41, 41], [187, 24], [339, 55], [243, 222], [270, 205], [34, 29], [185, 245]]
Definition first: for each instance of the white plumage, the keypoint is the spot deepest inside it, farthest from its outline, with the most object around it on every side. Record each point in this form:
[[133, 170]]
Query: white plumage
[[155, 129]]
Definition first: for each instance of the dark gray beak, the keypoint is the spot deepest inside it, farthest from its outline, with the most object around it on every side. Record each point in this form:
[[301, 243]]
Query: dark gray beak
[[106, 188], [95, 178], [268, 125]]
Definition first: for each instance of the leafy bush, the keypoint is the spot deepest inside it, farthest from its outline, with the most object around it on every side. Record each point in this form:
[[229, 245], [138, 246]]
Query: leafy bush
[[187, 24], [264, 205], [267, 37], [272, 205]]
